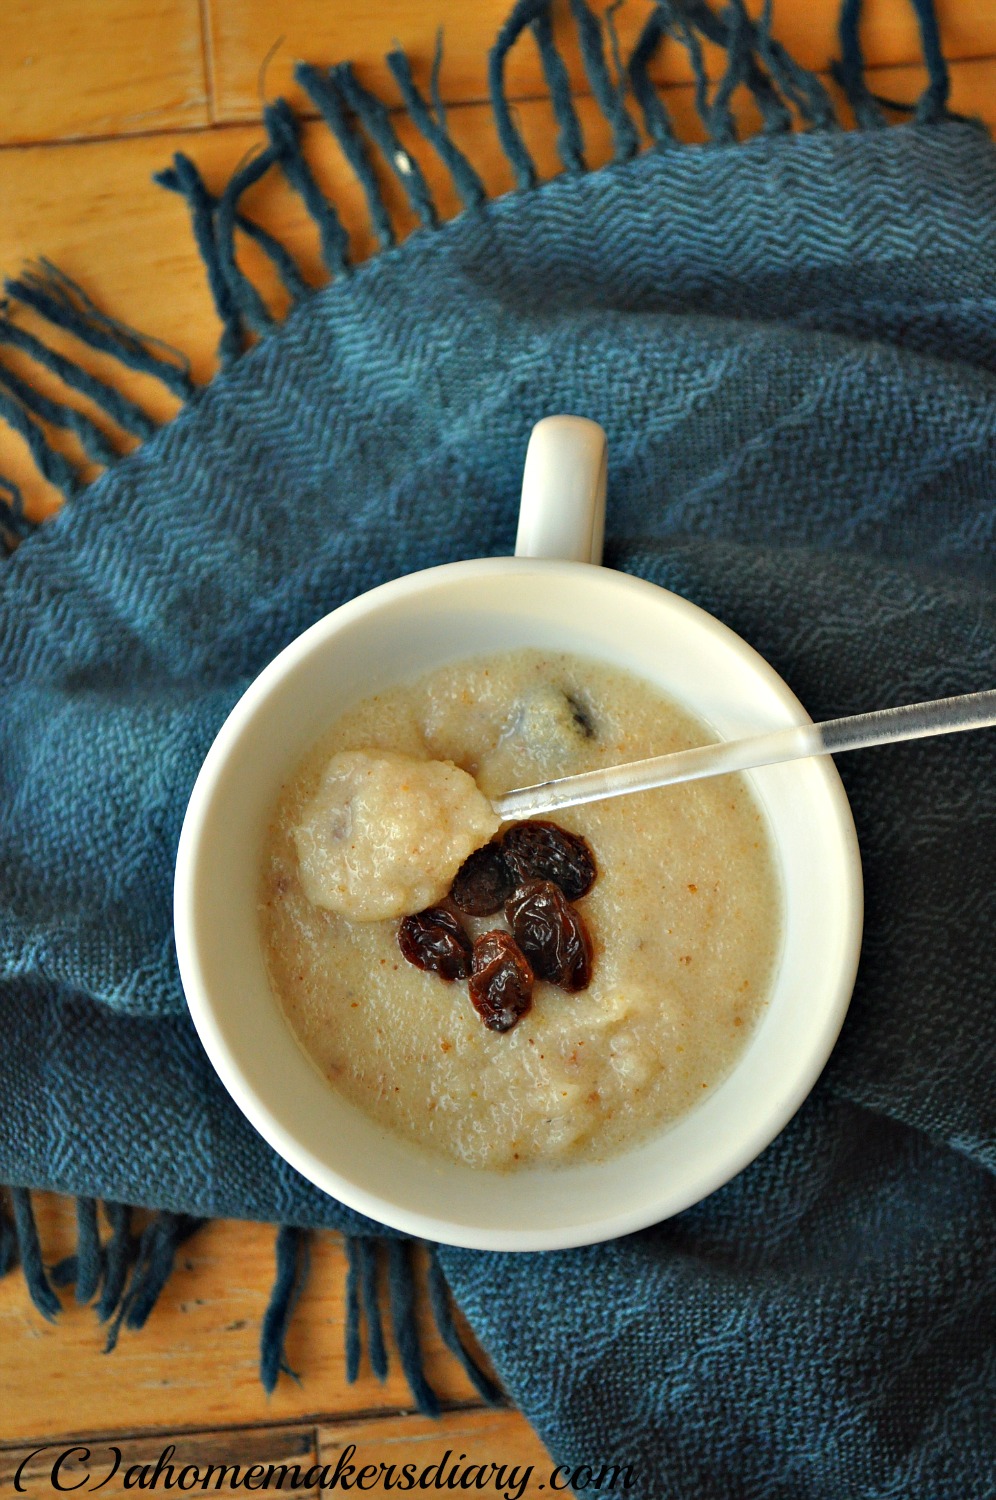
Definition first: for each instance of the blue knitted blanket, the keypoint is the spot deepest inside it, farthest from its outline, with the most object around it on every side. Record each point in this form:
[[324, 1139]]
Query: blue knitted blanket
[[791, 343]]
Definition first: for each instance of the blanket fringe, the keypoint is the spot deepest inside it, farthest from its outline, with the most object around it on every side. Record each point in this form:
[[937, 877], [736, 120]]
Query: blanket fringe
[[95, 445], [401, 1282], [29, 1249], [376, 121], [800, 87], [656, 120], [161, 1238], [284, 130], [362, 1254], [439, 1295], [14, 524], [323, 91], [433, 127], [127, 414], [363, 1292], [120, 1254], [8, 1240], [95, 1266], [184, 178], [522, 16], [65, 305], [361, 123], [610, 96], [570, 141], [85, 1269], [293, 1255], [253, 310], [129, 1272], [48, 460]]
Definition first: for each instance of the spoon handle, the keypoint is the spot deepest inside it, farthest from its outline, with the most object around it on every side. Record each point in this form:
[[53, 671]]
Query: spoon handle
[[914, 722]]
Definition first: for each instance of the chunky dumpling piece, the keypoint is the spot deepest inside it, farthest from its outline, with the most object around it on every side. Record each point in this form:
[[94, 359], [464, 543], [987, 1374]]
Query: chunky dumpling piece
[[384, 834]]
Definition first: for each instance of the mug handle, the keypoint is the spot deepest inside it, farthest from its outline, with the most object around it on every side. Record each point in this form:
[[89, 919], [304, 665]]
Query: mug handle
[[562, 510]]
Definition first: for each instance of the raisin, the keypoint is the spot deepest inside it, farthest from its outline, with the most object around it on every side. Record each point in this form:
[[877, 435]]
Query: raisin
[[581, 715], [433, 939], [483, 882], [501, 981], [538, 850], [551, 934]]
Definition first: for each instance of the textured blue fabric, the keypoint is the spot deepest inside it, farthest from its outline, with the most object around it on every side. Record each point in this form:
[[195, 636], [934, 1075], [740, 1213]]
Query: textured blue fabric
[[792, 346]]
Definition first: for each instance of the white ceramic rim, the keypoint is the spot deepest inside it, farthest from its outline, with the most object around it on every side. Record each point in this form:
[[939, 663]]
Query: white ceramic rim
[[344, 1186]]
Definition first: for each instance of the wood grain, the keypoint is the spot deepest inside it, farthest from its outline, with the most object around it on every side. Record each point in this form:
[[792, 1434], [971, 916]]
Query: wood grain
[[297, 1447], [94, 99], [195, 1365], [244, 33], [139, 66], [93, 208], [112, 68], [469, 1436]]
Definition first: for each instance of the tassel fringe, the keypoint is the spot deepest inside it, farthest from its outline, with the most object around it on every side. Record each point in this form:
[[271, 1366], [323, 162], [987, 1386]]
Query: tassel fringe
[[367, 1250], [161, 1238], [293, 1265], [782, 89], [363, 1302], [29, 1250], [8, 1240], [439, 1296], [128, 1272], [401, 1281]]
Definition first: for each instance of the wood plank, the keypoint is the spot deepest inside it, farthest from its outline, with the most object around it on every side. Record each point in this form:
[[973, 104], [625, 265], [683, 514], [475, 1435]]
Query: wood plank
[[469, 1437], [480, 1437], [161, 1459], [124, 66], [195, 1364], [247, 33], [94, 210], [63, 81]]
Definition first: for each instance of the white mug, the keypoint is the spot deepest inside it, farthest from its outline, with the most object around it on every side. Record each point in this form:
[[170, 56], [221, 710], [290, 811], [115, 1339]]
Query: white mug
[[553, 595]]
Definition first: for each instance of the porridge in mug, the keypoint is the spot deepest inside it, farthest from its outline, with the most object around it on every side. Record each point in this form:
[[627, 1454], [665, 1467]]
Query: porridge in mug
[[664, 907]]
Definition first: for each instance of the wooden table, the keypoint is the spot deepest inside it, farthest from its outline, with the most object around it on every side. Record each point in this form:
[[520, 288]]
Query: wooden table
[[190, 1377], [94, 99]]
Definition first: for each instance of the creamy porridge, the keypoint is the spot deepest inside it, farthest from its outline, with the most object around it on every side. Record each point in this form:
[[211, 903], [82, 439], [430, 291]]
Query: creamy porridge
[[684, 919]]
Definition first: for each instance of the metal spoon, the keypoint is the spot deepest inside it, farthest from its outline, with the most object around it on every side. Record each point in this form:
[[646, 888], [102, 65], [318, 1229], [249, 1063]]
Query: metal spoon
[[914, 722]]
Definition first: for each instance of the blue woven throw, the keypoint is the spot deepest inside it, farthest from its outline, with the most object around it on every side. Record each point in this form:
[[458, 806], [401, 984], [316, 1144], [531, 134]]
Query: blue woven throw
[[791, 342]]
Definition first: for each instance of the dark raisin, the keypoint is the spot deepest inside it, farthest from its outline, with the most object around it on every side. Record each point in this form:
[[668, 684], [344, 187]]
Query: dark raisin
[[551, 934], [501, 982], [483, 882], [538, 850], [581, 715], [433, 939]]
